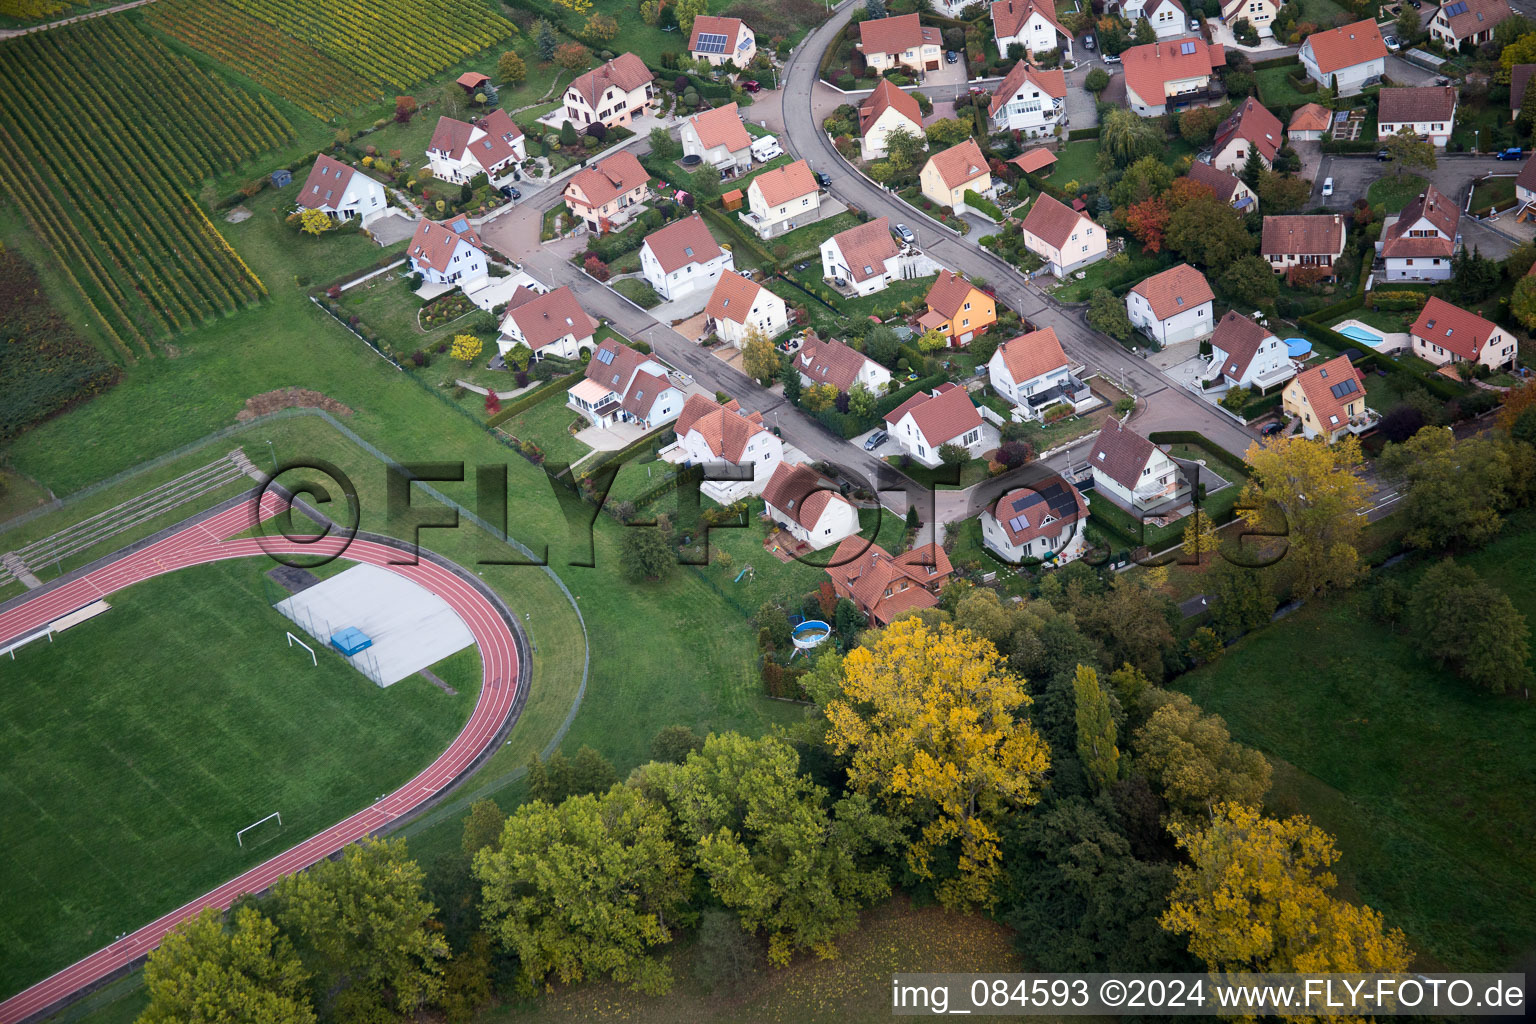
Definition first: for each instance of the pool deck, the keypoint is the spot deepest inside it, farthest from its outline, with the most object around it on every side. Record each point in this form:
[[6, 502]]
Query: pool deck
[[1390, 342]]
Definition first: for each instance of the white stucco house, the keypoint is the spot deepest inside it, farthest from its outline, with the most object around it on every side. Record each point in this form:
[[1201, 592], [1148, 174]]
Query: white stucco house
[[1133, 472], [808, 506], [614, 93], [1031, 24], [1251, 129], [900, 41], [884, 111], [738, 306], [683, 259], [1347, 58], [1428, 111], [1172, 306], [342, 192], [1165, 76], [926, 422], [866, 258], [1246, 355], [715, 436], [1445, 334], [720, 41], [1044, 522], [1033, 374], [1260, 14], [1062, 237], [1418, 243], [782, 199], [836, 363], [551, 324], [1168, 18], [719, 139], [1030, 101], [623, 385], [447, 252]]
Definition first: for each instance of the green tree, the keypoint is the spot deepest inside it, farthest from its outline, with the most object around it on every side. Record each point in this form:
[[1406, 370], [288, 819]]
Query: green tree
[[1281, 193], [545, 40], [1142, 33], [1107, 313], [759, 359], [1253, 169], [1125, 138], [1522, 304], [774, 623], [1239, 599], [1257, 896], [568, 136], [948, 131], [1465, 624], [1191, 759], [1145, 179], [510, 68], [1406, 151], [953, 455], [1097, 81], [1249, 280], [483, 826], [1197, 124], [204, 973], [773, 851], [364, 929], [903, 147], [1407, 24], [1207, 231], [1474, 275], [674, 743], [645, 553], [687, 10], [586, 887], [1095, 729], [1205, 645], [1456, 491], [726, 955], [650, 12], [1132, 624], [790, 378], [591, 772], [861, 401]]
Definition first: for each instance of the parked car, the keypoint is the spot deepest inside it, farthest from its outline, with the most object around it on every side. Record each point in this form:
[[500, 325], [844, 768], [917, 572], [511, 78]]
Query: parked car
[[1271, 429], [1513, 153], [1194, 26], [1416, 4], [1382, 154], [1111, 58], [951, 57], [1392, 43], [1087, 42], [751, 86], [875, 440], [905, 234], [823, 179], [510, 192], [1327, 186]]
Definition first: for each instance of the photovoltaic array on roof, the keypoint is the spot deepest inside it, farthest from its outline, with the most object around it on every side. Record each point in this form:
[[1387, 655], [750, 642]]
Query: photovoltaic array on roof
[[711, 42], [1345, 388], [1455, 9], [604, 355], [1187, 47]]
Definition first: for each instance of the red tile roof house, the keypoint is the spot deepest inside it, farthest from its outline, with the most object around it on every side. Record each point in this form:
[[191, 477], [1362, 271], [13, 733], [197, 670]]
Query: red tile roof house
[[609, 194], [900, 41], [1418, 243], [625, 386], [1172, 306], [719, 139], [882, 112], [1309, 122], [1164, 76], [459, 152], [1250, 129], [1030, 101], [926, 422], [949, 174], [1044, 522], [782, 199], [721, 40], [1033, 373], [1348, 58], [738, 306], [884, 587], [342, 191], [808, 506], [447, 253], [1031, 24], [1467, 21], [1445, 334], [867, 258], [613, 94], [551, 324], [957, 309], [1329, 399], [683, 259], [1303, 240], [1426, 111], [833, 362], [1062, 237], [1133, 472], [1229, 188], [1243, 354], [710, 434]]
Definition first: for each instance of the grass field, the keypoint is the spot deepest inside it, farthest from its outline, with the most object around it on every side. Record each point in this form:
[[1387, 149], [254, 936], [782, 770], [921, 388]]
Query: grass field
[[135, 779], [1276, 90], [1394, 192], [1425, 782], [1076, 161]]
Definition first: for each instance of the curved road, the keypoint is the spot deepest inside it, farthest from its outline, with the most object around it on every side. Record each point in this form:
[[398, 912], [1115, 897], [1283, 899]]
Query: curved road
[[204, 542]]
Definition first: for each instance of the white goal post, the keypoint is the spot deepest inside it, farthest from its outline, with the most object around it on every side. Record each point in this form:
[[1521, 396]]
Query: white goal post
[[240, 835], [295, 640]]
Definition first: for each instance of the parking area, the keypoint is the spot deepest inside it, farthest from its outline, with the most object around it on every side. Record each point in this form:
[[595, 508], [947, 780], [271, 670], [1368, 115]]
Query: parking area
[[947, 74], [886, 447]]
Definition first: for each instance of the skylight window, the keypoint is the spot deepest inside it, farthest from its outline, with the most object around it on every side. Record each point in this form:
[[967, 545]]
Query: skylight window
[[1187, 47]]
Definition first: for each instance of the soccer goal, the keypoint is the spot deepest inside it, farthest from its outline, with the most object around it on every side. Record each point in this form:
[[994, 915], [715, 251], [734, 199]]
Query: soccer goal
[[265, 834], [295, 640]]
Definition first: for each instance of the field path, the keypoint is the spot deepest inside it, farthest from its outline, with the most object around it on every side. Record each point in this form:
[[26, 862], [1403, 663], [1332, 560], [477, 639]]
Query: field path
[[6, 33], [201, 542]]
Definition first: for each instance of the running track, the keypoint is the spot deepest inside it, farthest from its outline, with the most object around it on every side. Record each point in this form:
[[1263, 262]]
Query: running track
[[204, 542]]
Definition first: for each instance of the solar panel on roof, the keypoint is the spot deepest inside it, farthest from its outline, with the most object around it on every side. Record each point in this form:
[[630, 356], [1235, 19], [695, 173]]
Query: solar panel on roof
[[1187, 47], [711, 42], [1455, 9], [605, 355], [1017, 523], [459, 225], [1345, 388]]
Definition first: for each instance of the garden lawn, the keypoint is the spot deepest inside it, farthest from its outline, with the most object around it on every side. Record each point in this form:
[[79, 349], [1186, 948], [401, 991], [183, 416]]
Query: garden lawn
[[1495, 192], [806, 241], [638, 291], [1276, 90], [546, 425], [1484, 126], [1076, 161], [1424, 781], [1110, 273], [128, 785], [1394, 192], [1392, 321]]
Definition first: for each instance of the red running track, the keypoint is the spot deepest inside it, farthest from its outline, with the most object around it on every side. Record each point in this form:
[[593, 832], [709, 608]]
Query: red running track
[[201, 543]]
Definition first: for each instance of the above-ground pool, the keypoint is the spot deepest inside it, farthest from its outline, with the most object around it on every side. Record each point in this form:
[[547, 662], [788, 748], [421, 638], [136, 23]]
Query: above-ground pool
[[1356, 333], [810, 633], [1297, 347]]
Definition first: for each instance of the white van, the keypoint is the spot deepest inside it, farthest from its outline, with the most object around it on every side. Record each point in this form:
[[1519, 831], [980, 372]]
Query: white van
[[766, 148], [1328, 186]]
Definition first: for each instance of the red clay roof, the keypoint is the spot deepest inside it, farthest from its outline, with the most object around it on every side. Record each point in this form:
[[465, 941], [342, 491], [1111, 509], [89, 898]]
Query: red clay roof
[[863, 572], [732, 298], [895, 34], [941, 415], [782, 184], [884, 97], [1052, 221], [1121, 454], [1008, 16], [866, 247], [948, 293], [682, 242], [1214, 178], [1240, 338], [1030, 355], [434, 242], [1346, 46], [1412, 104], [1150, 67], [1254, 122], [1318, 384], [1519, 77], [497, 146], [721, 127], [1027, 513], [1311, 117], [714, 25], [1452, 328], [960, 163], [1476, 16], [1431, 205], [829, 362], [327, 181], [1053, 83], [609, 178], [473, 79], [450, 137], [547, 318], [626, 72], [1303, 234], [726, 430], [1175, 290], [1033, 160], [800, 492]]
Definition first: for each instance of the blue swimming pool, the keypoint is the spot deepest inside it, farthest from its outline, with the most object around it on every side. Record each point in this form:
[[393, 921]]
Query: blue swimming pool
[[1361, 334]]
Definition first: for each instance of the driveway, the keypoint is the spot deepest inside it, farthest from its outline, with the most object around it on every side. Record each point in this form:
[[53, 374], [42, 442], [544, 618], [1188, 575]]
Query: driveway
[[1082, 110], [393, 227], [948, 75], [1403, 73]]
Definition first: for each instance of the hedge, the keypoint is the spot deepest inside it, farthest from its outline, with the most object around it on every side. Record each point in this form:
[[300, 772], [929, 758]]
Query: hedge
[[1361, 146], [534, 397], [1194, 437], [983, 205], [1082, 133], [894, 399], [739, 235], [644, 444]]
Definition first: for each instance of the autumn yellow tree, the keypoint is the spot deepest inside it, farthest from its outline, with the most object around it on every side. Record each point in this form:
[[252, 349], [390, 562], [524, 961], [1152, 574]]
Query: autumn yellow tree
[[930, 719], [1199, 536], [579, 6], [315, 222], [601, 27], [931, 340], [1257, 897], [466, 347], [1318, 490], [818, 397], [759, 358]]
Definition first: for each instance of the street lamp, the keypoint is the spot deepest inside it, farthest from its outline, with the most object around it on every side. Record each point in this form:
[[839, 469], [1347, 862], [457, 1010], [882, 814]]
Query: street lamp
[[273, 452]]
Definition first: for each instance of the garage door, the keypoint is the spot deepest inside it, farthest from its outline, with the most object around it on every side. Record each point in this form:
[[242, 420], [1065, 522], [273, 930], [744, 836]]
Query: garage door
[[933, 65]]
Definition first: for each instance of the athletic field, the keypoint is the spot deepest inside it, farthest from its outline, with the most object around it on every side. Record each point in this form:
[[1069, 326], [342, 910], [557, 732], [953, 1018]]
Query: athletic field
[[134, 747]]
